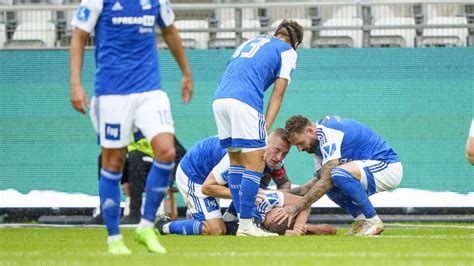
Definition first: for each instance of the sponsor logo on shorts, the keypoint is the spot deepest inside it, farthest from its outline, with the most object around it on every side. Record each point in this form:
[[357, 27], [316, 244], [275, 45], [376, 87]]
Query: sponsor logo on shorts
[[211, 204], [112, 131]]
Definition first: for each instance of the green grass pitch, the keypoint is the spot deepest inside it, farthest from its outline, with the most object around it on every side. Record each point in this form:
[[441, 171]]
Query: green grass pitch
[[420, 244]]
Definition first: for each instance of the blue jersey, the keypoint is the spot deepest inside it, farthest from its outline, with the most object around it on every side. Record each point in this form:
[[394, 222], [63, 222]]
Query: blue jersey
[[349, 140], [126, 56], [201, 158], [254, 66]]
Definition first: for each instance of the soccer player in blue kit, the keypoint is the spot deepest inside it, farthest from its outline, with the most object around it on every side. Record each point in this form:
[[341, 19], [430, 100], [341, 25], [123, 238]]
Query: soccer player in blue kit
[[238, 111], [352, 163], [206, 160], [128, 95]]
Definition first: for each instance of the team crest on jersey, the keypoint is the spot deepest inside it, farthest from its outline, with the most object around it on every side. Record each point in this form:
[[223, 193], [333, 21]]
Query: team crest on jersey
[[83, 13], [329, 150], [112, 131], [145, 4]]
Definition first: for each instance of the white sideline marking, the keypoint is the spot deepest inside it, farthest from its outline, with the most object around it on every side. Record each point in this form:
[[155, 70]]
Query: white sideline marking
[[323, 254], [427, 236], [262, 254], [405, 225], [62, 226]]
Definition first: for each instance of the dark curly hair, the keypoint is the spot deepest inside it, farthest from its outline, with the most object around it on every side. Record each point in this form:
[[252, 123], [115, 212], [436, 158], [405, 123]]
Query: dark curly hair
[[296, 124], [292, 30]]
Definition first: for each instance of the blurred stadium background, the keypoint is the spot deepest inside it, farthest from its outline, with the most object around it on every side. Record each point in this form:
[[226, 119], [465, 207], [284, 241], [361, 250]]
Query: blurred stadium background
[[408, 73]]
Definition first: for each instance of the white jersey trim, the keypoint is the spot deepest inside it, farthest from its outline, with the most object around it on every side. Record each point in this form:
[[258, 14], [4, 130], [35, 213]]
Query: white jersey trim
[[288, 64], [166, 13], [220, 170], [87, 14], [330, 141]]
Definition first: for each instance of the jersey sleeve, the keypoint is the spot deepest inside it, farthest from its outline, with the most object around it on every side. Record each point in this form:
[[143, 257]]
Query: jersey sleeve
[[288, 64], [87, 14], [330, 141], [221, 170], [166, 15], [318, 163]]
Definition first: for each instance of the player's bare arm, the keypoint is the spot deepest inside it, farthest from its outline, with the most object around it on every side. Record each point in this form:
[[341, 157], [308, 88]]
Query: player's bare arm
[[320, 188], [79, 99], [211, 188], [302, 190], [275, 101], [171, 36], [282, 182]]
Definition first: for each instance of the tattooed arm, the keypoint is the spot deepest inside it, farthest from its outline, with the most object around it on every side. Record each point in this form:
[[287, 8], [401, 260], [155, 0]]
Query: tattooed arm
[[302, 190], [323, 185], [319, 188]]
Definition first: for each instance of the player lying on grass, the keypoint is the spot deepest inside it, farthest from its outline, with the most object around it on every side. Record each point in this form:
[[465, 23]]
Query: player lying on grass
[[268, 201], [195, 167], [353, 163]]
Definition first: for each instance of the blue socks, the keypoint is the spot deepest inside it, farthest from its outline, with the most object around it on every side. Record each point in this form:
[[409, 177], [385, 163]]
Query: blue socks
[[186, 227], [109, 194], [235, 180], [336, 195], [248, 192], [353, 189], [157, 183]]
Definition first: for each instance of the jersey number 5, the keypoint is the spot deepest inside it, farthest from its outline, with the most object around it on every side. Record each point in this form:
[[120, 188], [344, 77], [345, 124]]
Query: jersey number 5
[[250, 48]]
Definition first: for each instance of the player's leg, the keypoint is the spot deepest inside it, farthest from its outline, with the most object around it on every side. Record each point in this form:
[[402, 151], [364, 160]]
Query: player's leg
[[153, 118], [222, 115], [248, 133], [137, 167], [348, 178], [111, 118], [378, 176], [236, 170], [346, 203], [207, 218], [251, 177]]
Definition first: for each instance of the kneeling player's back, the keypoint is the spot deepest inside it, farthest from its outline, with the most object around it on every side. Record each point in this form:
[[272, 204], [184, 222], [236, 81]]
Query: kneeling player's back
[[201, 158], [357, 141]]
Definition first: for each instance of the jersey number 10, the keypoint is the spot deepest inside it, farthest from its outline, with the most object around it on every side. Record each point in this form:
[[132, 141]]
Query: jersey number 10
[[249, 48]]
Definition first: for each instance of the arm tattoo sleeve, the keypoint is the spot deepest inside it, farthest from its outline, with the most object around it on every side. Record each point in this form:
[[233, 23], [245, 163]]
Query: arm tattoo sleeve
[[320, 187]]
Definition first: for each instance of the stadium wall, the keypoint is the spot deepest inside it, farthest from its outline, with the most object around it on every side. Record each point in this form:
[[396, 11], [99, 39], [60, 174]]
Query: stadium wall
[[420, 100]]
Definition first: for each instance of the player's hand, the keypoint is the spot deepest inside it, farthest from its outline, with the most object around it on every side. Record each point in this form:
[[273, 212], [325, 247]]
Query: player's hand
[[288, 212], [187, 88], [260, 196], [301, 229], [79, 99]]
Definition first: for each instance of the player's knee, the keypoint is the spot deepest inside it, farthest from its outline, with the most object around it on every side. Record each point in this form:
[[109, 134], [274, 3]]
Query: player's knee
[[165, 154], [113, 161], [213, 228]]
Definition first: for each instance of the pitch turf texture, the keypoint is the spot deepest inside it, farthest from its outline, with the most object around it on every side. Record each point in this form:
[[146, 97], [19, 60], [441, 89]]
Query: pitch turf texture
[[400, 244]]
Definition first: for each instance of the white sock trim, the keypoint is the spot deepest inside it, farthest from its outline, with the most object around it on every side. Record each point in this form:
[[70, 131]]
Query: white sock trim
[[145, 223], [360, 218], [166, 228], [114, 237], [245, 223]]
